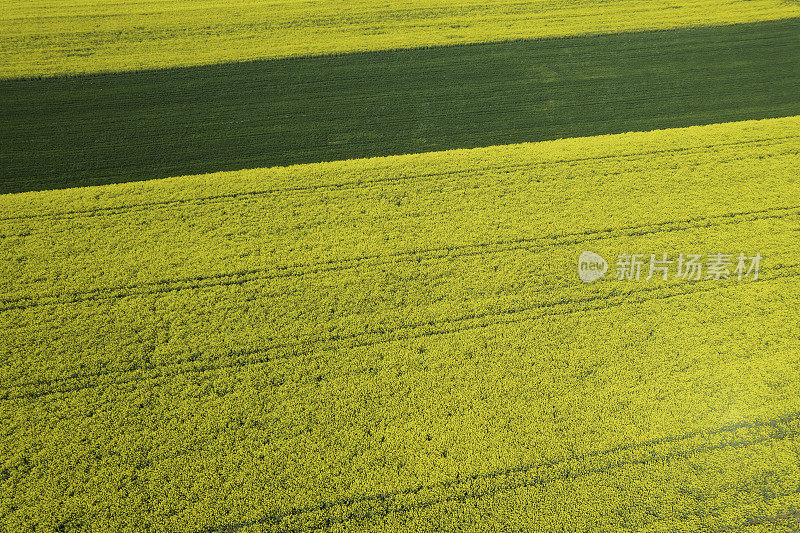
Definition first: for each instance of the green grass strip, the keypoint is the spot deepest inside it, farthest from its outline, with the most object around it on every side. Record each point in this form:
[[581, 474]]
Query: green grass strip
[[105, 128]]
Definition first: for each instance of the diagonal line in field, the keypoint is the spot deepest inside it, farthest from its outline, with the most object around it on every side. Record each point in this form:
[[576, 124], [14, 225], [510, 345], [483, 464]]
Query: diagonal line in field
[[356, 340], [386, 503], [113, 210], [247, 276]]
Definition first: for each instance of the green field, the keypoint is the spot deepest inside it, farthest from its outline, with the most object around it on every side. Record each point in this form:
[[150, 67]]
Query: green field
[[50, 37], [90, 130], [284, 266], [403, 343]]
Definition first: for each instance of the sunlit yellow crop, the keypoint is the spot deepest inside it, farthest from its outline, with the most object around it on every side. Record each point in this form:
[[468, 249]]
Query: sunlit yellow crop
[[403, 343], [43, 37]]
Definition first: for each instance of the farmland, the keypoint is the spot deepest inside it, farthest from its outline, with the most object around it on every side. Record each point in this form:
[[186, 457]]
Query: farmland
[[272, 265], [90, 130], [296, 347], [48, 37]]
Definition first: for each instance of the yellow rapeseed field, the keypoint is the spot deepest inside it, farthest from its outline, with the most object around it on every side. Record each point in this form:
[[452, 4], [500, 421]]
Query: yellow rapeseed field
[[46, 37], [403, 343]]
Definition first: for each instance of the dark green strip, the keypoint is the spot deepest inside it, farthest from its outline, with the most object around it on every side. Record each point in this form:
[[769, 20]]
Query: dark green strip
[[104, 128]]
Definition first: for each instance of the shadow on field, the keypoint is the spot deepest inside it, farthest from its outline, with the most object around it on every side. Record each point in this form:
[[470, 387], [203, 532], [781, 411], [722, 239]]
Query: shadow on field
[[106, 128]]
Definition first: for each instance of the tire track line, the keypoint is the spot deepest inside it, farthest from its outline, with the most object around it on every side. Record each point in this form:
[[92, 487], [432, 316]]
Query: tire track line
[[66, 215], [427, 255], [535, 474], [499, 170], [378, 336]]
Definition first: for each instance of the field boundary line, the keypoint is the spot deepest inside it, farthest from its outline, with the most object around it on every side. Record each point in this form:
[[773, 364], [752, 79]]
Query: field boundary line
[[111, 210], [353, 185]]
